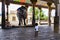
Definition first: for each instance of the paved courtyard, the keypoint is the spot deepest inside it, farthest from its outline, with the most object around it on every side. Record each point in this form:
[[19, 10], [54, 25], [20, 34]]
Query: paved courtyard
[[45, 33]]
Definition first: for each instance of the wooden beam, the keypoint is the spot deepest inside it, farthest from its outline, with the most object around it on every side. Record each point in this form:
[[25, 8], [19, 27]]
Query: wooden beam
[[51, 1], [20, 3], [0, 0]]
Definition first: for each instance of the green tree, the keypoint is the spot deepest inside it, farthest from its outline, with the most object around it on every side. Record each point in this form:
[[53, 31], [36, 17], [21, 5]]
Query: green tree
[[36, 12], [42, 15], [39, 14]]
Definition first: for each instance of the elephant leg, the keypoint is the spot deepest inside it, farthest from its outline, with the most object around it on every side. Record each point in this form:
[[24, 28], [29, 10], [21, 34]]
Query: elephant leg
[[20, 20], [24, 22]]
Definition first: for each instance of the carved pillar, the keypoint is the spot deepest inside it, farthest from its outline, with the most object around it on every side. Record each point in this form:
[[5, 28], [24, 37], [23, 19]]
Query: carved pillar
[[33, 20], [27, 14], [49, 7], [3, 14], [56, 19], [39, 14], [7, 4], [59, 15]]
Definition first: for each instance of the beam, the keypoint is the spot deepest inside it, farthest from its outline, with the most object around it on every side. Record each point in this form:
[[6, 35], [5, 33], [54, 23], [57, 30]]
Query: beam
[[20, 3], [51, 1]]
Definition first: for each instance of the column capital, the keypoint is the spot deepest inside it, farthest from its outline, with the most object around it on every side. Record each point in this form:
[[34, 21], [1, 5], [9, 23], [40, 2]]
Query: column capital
[[33, 1], [39, 7], [7, 2], [56, 1], [26, 6], [49, 4]]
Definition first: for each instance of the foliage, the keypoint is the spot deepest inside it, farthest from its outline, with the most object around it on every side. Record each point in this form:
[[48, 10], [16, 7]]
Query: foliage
[[39, 14]]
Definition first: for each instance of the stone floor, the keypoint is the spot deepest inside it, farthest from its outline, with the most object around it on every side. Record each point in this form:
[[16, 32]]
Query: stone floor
[[45, 33]]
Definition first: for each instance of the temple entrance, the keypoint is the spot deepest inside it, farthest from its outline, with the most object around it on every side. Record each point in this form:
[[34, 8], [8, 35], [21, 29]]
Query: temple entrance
[[40, 16]]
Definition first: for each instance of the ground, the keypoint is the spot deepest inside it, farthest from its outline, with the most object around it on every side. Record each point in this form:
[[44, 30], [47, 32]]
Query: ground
[[45, 33]]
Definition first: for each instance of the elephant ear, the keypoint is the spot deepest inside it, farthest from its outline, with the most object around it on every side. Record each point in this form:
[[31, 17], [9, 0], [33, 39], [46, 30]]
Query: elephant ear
[[24, 11], [19, 12]]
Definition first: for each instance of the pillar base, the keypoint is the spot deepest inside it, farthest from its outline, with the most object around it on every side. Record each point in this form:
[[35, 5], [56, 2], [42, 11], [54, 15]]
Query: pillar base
[[3, 27], [56, 24]]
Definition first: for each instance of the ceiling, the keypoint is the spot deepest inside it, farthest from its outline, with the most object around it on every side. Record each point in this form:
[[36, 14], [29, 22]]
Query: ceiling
[[44, 3], [39, 2]]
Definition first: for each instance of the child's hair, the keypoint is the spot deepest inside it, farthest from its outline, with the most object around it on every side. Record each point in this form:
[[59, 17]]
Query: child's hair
[[36, 24]]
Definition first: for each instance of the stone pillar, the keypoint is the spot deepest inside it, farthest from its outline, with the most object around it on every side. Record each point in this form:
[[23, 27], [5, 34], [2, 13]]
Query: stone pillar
[[7, 4], [39, 18], [49, 7], [59, 14], [3, 14], [56, 18], [33, 3], [27, 15], [7, 13], [56, 21], [33, 20]]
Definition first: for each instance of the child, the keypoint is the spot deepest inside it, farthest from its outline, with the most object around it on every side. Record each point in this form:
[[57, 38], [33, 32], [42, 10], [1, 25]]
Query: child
[[36, 30]]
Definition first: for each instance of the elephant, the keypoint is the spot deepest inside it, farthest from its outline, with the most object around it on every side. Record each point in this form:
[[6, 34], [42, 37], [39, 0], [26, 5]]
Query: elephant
[[22, 14]]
